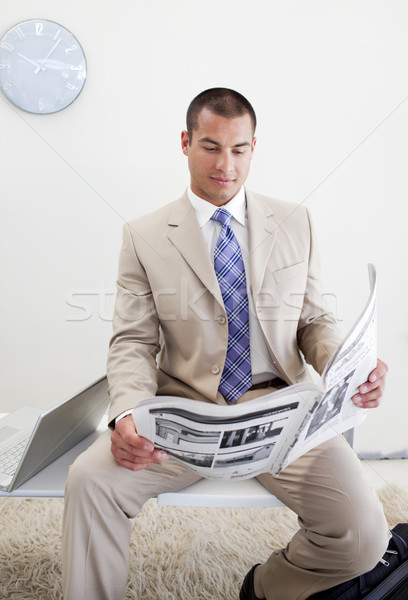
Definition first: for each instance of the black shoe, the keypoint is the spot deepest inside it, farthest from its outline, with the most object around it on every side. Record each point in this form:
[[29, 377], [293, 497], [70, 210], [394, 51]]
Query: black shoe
[[247, 590]]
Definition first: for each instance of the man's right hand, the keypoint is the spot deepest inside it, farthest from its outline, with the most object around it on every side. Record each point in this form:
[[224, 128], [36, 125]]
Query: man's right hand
[[132, 451]]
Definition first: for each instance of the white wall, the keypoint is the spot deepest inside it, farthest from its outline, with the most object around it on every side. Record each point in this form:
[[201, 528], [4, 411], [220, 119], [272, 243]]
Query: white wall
[[328, 81]]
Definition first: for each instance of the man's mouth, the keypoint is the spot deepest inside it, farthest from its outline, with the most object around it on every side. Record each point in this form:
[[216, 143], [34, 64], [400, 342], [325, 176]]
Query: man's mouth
[[221, 181]]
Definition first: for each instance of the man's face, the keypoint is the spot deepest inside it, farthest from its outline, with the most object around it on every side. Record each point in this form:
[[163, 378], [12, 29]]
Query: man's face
[[219, 155]]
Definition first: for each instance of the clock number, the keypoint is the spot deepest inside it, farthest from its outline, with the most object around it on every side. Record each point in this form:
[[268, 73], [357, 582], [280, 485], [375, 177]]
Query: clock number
[[38, 28], [74, 68], [4, 66], [72, 49], [7, 46], [20, 33], [70, 86], [8, 85], [41, 104]]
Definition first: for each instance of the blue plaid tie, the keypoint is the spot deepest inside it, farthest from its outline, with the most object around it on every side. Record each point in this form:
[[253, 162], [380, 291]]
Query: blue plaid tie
[[236, 377]]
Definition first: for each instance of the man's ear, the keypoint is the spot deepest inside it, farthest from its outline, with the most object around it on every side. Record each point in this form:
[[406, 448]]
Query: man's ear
[[185, 142]]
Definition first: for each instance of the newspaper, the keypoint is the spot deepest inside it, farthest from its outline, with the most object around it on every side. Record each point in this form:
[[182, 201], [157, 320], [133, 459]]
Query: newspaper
[[266, 434]]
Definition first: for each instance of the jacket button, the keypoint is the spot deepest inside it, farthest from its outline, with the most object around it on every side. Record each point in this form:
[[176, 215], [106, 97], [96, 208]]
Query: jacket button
[[215, 369], [221, 319]]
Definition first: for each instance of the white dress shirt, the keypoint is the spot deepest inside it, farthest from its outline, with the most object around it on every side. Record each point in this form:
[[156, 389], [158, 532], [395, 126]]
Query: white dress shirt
[[261, 362]]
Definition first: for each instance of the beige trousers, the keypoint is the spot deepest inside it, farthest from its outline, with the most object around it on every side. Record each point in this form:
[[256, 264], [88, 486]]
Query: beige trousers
[[342, 531]]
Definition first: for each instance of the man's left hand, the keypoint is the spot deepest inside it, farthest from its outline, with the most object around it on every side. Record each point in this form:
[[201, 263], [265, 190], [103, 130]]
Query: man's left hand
[[370, 393]]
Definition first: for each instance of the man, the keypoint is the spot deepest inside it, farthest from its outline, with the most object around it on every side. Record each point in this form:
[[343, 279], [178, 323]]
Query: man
[[205, 309]]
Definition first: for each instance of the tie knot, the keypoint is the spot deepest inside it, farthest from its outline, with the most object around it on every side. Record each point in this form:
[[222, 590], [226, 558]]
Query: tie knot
[[222, 216]]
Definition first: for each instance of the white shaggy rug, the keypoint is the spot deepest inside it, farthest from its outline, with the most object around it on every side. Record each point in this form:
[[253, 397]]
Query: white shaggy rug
[[176, 553]]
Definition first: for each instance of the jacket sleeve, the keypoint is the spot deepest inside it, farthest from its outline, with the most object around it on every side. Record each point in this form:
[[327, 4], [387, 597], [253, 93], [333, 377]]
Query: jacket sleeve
[[318, 333], [131, 366]]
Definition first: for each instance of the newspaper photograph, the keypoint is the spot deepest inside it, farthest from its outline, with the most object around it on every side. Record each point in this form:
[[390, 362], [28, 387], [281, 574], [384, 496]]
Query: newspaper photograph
[[267, 433]]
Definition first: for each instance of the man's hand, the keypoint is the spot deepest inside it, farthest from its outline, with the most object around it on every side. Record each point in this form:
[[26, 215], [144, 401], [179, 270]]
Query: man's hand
[[371, 391], [132, 451]]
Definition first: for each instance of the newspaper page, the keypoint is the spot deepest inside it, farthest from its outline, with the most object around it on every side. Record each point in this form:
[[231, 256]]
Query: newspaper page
[[268, 433], [346, 370], [230, 442]]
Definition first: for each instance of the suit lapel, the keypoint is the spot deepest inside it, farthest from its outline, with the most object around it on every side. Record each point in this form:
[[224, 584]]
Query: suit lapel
[[263, 231], [185, 234]]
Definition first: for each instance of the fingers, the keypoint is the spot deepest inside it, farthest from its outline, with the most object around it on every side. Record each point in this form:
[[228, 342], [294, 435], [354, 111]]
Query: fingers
[[379, 372], [368, 400], [370, 393], [132, 451]]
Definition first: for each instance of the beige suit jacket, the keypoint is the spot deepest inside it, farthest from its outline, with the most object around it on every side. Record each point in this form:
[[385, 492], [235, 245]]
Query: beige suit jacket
[[170, 329]]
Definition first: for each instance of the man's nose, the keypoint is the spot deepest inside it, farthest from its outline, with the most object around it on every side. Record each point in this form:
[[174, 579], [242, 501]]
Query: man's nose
[[225, 162]]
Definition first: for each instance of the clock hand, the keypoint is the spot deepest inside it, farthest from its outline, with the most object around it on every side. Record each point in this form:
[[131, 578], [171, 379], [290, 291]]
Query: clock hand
[[30, 61], [41, 65]]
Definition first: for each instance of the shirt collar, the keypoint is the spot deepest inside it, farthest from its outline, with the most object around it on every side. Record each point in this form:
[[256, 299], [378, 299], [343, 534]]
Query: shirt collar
[[204, 210]]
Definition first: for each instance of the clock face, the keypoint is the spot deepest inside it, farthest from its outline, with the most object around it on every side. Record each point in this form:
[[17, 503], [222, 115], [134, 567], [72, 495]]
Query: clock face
[[42, 66]]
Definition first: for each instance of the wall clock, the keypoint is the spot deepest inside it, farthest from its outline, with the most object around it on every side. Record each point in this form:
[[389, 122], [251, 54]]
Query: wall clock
[[42, 66]]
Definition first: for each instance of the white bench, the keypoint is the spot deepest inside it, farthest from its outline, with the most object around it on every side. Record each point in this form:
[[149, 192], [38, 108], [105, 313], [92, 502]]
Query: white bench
[[208, 492]]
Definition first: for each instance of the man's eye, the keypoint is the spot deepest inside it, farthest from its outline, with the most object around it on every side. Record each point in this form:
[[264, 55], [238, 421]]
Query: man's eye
[[210, 149]]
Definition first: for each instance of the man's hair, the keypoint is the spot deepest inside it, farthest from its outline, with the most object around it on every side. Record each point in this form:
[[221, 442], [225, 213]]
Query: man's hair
[[221, 101]]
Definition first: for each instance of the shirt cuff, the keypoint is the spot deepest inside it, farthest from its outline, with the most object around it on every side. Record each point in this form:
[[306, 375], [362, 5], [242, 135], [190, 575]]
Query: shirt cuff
[[124, 414]]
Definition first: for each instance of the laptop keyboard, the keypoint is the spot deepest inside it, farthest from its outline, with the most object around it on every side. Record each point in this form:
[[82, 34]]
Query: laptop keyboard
[[11, 454]]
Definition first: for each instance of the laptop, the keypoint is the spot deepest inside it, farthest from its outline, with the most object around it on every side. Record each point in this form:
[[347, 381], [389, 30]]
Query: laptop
[[31, 439]]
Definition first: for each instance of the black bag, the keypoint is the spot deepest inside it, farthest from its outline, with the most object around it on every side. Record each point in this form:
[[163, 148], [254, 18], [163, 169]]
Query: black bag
[[387, 581]]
